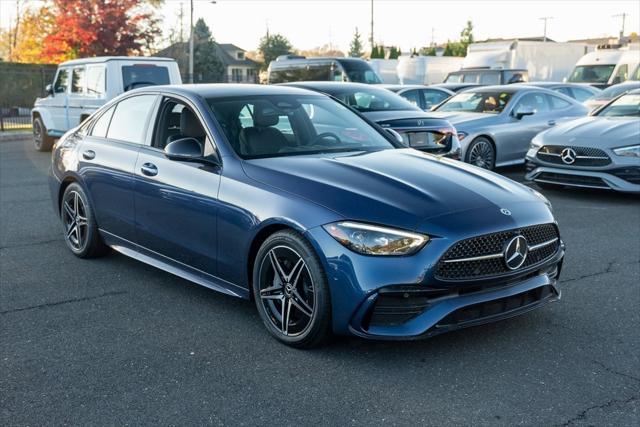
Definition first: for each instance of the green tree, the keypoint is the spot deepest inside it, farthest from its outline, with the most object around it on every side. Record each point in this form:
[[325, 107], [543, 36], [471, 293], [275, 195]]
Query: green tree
[[207, 67], [355, 48], [272, 46], [394, 52], [377, 52], [428, 51]]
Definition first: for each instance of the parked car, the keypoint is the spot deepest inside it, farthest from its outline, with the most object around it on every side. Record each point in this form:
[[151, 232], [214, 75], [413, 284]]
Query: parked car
[[81, 86], [599, 151], [496, 123], [326, 224], [423, 97], [605, 96], [457, 87], [488, 76], [413, 126], [578, 91], [605, 66], [292, 68]]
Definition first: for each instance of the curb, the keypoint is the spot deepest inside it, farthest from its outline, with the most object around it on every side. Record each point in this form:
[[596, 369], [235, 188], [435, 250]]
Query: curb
[[15, 136]]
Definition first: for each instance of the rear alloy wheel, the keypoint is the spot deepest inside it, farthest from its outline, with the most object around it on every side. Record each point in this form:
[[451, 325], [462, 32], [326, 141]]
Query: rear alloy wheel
[[41, 141], [482, 154], [290, 291], [79, 225]]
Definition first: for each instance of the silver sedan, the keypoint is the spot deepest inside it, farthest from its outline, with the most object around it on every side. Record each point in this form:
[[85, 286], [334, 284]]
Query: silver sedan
[[496, 124]]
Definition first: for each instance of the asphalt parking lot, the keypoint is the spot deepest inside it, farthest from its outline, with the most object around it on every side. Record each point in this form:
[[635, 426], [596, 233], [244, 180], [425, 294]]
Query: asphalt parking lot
[[113, 341]]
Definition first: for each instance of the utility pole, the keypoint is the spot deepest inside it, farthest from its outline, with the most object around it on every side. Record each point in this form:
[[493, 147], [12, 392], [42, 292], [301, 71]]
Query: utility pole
[[371, 39], [545, 19], [191, 42], [624, 18]]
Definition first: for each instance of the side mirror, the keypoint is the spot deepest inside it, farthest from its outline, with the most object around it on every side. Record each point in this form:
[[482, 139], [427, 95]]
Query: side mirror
[[185, 149], [49, 89], [523, 111], [395, 135]]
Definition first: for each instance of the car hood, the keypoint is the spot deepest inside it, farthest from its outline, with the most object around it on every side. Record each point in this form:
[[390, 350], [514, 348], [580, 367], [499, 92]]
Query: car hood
[[402, 188], [458, 119], [595, 131]]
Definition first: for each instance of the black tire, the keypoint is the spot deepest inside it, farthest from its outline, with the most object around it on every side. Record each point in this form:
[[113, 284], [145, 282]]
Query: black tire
[[41, 141], [481, 153], [79, 224], [549, 186], [298, 311]]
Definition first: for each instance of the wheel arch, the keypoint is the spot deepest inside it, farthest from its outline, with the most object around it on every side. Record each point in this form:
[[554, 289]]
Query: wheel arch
[[486, 136], [44, 115]]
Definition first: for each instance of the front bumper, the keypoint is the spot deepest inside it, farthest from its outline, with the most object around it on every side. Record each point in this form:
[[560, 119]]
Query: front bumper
[[362, 288]]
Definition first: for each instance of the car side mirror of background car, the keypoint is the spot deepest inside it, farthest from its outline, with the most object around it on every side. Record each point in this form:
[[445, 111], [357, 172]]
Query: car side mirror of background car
[[49, 89], [523, 111], [184, 149], [395, 135]]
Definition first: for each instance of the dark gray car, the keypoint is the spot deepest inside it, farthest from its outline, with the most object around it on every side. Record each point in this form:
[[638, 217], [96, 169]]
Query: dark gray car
[[496, 123]]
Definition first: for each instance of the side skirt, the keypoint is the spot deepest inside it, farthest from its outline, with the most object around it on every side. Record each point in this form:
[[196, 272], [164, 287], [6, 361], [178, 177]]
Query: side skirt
[[172, 266]]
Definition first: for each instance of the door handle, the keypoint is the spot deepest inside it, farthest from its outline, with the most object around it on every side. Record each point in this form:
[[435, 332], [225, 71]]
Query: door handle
[[551, 122], [149, 169], [89, 155]]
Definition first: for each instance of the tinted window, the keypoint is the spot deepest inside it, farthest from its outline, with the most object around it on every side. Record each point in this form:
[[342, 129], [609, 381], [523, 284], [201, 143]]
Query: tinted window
[[516, 76], [102, 124], [62, 80], [77, 80], [413, 96], [433, 97], [453, 78], [360, 72], [533, 101], [622, 74], [558, 103], [470, 78], [140, 75], [374, 100], [564, 90], [130, 118], [96, 77], [592, 73], [489, 79], [492, 102], [581, 95], [268, 126]]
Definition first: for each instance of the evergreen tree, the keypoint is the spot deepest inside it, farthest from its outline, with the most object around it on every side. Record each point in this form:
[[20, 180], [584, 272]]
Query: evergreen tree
[[207, 67], [355, 48]]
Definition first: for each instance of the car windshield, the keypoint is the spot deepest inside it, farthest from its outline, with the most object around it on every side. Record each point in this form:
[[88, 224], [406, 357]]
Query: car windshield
[[287, 125], [489, 102], [626, 106], [368, 100], [360, 72], [592, 73]]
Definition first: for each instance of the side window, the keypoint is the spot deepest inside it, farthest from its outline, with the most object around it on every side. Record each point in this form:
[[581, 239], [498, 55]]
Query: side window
[[176, 120], [622, 74], [130, 117], [102, 124], [534, 101], [470, 78], [413, 96], [433, 97], [62, 81], [96, 79], [489, 79], [564, 90], [581, 95], [558, 103], [77, 80]]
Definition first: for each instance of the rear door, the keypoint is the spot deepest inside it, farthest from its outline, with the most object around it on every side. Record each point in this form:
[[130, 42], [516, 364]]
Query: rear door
[[107, 160]]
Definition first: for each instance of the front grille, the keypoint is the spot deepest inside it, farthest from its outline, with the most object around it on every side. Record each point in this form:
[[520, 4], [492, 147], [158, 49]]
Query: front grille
[[631, 175], [476, 313], [491, 246], [586, 156], [561, 178]]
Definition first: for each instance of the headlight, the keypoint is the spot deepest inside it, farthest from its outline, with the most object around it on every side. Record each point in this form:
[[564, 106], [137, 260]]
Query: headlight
[[370, 239], [631, 151], [536, 142], [462, 135]]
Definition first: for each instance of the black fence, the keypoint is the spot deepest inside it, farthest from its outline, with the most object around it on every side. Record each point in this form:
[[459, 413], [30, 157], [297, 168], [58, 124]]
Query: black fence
[[14, 118], [21, 84]]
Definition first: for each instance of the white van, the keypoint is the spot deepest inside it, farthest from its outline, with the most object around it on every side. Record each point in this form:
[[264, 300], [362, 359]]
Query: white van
[[605, 66], [426, 70], [81, 86]]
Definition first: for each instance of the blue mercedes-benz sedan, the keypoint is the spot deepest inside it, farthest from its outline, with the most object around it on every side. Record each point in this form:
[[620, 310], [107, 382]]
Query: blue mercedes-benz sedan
[[289, 198]]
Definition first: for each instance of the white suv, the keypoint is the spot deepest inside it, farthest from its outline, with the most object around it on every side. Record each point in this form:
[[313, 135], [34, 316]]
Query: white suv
[[81, 86]]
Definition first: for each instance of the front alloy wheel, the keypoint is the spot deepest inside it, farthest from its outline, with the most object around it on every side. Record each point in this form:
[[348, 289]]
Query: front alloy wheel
[[482, 154], [290, 290]]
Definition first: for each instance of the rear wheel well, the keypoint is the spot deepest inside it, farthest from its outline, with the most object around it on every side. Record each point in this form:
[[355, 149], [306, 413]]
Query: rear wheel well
[[63, 186], [255, 246]]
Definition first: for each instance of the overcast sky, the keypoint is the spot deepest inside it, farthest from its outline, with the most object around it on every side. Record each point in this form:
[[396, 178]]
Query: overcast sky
[[407, 23]]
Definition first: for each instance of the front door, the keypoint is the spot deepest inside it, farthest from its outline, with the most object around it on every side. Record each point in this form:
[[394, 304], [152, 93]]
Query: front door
[[58, 102], [176, 202], [523, 130]]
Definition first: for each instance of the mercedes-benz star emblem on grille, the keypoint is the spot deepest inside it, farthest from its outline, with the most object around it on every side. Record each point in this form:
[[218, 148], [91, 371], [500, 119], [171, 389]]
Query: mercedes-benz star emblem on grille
[[568, 155], [505, 211], [515, 252]]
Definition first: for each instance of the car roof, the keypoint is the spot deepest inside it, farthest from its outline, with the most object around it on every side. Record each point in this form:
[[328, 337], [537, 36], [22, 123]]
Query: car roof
[[225, 90], [401, 87], [512, 88], [102, 59]]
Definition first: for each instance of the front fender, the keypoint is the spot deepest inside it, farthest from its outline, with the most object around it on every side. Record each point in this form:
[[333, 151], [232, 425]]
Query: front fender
[[44, 114]]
